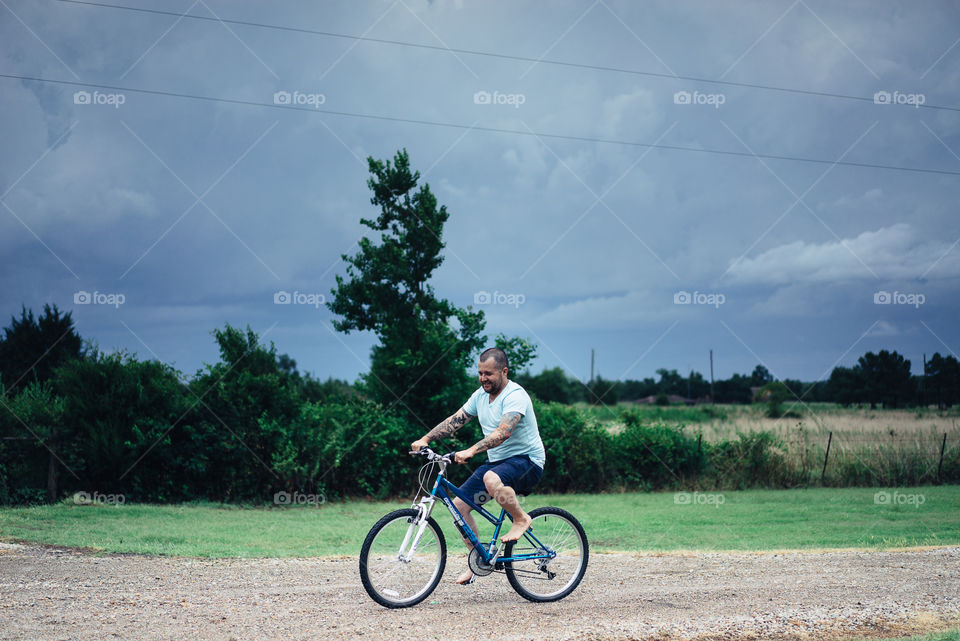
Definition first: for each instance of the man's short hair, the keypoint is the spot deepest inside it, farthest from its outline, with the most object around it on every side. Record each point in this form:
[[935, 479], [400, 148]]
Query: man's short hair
[[498, 355]]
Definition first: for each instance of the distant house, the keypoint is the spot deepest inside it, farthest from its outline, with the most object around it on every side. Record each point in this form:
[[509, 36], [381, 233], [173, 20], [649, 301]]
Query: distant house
[[674, 399]]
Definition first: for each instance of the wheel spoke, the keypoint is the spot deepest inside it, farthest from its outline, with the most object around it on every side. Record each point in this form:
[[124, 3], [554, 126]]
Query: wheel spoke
[[395, 581], [557, 533]]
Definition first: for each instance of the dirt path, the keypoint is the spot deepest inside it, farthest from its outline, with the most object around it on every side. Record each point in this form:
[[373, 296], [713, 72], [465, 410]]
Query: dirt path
[[62, 594]]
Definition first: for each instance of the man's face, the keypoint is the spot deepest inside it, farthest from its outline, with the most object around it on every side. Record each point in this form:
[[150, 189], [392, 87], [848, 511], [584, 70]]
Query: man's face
[[492, 379]]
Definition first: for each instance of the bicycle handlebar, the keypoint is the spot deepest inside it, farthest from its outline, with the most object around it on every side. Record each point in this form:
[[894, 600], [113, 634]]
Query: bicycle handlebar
[[433, 456]]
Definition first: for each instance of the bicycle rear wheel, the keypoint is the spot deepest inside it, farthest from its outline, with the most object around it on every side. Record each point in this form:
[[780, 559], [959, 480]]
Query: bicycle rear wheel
[[548, 579], [399, 578]]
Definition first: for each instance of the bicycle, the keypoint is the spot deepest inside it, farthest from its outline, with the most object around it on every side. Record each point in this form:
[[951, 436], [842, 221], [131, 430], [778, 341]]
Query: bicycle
[[404, 555]]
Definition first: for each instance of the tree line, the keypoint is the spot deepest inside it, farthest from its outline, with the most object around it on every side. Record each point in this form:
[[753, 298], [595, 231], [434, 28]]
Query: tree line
[[74, 418], [883, 379]]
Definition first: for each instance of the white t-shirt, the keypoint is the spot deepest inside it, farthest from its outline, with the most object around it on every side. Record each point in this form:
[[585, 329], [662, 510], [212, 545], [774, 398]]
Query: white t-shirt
[[525, 438]]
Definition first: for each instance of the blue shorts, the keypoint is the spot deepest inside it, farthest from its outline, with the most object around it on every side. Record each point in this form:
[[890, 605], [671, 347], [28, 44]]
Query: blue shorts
[[517, 472]]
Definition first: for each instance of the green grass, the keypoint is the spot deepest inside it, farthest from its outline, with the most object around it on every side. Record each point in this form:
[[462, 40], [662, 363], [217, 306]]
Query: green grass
[[945, 635], [667, 414], [635, 522]]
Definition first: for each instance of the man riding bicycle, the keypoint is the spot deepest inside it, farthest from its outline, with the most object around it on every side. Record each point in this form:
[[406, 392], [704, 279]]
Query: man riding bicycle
[[511, 439]]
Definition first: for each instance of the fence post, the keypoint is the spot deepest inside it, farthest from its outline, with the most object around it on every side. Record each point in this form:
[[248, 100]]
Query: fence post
[[825, 457], [943, 446]]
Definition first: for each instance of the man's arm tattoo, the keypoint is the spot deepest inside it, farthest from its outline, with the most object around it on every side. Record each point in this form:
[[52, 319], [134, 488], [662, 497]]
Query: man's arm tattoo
[[507, 424], [449, 426]]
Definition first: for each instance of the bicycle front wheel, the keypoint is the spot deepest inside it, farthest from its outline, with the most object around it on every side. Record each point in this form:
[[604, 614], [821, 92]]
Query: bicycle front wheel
[[556, 532], [395, 573]]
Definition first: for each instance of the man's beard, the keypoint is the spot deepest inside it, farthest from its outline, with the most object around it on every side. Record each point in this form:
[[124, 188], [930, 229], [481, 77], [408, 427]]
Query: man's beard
[[496, 386]]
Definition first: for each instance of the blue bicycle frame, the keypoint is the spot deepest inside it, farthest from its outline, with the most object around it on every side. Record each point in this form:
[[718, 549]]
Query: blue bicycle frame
[[442, 489]]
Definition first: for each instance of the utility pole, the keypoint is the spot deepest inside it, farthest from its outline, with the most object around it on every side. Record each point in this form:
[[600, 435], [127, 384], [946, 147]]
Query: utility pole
[[713, 399], [923, 383], [592, 355]]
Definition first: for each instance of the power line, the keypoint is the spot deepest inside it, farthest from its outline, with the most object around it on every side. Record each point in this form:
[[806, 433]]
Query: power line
[[502, 56], [454, 125]]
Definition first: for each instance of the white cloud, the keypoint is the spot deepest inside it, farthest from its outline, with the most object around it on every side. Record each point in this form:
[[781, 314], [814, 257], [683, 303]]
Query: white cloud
[[883, 328], [609, 312], [890, 252]]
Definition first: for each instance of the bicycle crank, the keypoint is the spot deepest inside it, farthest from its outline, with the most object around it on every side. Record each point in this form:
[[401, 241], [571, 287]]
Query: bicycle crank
[[477, 565]]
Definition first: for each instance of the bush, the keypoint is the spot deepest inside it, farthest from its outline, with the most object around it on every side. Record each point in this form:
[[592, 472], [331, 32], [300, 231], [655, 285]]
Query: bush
[[123, 418], [579, 450], [752, 460], [654, 456], [345, 448]]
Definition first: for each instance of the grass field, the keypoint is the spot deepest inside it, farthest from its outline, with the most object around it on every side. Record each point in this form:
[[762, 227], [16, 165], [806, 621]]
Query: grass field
[[946, 635], [882, 446], [717, 422], [634, 522]]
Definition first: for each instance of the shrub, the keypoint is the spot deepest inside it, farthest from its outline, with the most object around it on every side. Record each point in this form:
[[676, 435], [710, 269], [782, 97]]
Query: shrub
[[345, 448], [579, 450], [654, 456], [751, 460]]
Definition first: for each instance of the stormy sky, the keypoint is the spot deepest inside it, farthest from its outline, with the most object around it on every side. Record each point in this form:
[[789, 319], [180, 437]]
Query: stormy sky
[[170, 169]]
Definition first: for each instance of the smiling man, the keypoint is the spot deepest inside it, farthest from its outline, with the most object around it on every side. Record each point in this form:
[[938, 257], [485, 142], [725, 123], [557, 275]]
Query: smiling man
[[515, 454]]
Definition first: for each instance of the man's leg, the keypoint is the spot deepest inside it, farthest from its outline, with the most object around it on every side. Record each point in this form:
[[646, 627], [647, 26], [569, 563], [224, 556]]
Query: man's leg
[[507, 498], [465, 510]]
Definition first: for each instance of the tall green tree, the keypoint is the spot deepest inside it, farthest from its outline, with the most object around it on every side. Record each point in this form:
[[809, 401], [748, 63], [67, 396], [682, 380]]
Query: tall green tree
[[32, 348], [552, 386], [242, 407], [887, 380], [760, 376], [942, 380], [426, 343], [846, 385]]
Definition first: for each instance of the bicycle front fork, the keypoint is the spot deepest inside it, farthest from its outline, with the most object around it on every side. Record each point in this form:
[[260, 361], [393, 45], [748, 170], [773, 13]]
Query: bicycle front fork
[[425, 507]]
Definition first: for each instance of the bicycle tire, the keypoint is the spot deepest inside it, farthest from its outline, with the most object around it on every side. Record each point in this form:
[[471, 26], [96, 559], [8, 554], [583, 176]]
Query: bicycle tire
[[556, 535], [374, 556]]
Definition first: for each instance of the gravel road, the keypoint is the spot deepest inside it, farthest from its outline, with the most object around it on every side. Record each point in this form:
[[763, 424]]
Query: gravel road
[[49, 593]]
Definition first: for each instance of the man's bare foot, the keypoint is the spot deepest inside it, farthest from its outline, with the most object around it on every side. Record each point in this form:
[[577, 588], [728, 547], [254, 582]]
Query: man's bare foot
[[466, 578], [519, 527]]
